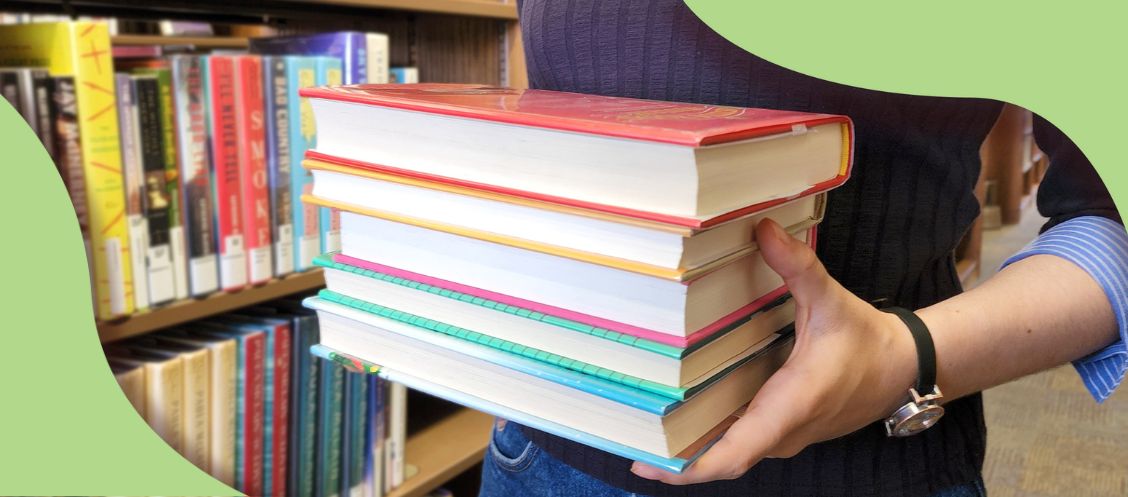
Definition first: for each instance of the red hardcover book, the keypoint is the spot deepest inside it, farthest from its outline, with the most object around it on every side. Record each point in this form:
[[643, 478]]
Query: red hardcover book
[[282, 354], [684, 164], [254, 399], [223, 136], [251, 130]]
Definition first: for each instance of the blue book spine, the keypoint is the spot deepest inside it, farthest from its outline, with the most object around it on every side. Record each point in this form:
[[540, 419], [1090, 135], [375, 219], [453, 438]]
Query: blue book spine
[[240, 412], [301, 72], [330, 399], [269, 396], [348, 47], [276, 93], [307, 484], [298, 357], [348, 419], [329, 73]]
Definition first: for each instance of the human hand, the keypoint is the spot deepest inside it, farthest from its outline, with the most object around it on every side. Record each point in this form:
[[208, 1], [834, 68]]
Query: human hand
[[851, 365]]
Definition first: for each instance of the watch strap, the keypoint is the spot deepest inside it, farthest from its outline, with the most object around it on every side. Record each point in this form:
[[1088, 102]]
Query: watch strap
[[926, 350]]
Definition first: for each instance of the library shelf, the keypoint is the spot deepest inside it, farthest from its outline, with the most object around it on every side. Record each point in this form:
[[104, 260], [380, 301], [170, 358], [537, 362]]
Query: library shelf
[[187, 310], [195, 41], [444, 450], [497, 9]]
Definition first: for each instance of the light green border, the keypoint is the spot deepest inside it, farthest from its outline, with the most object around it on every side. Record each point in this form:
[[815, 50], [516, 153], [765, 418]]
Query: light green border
[[65, 427]]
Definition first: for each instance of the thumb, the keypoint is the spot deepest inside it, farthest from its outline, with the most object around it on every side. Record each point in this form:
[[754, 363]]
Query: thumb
[[795, 262]]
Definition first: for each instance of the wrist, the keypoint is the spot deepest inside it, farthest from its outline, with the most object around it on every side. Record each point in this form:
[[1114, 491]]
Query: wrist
[[900, 359]]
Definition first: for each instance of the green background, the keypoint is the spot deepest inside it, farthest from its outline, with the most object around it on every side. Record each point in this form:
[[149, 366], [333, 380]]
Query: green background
[[66, 428]]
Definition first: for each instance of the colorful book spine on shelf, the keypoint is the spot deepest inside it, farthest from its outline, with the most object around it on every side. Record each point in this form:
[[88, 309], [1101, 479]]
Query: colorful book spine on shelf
[[329, 73], [177, 242], [224, 143], [352, 476], [154, 190], [330, 393], [197, 207], [133, 182], [403, 75], [253, 177], [68, 157], [277, 109], [301, 72], [379, 53], [44, 116], [348, 47], [77, 56], [347, 443], [374, 463]]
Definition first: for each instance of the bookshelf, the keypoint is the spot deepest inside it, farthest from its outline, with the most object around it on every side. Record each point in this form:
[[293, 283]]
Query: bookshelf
[[444, 450], [196, 41], [192, 309], [498, 9]]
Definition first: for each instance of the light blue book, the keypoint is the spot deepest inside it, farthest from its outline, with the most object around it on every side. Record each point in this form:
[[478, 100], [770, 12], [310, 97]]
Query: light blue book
[[329, 73], [672, 464], [301, 72]]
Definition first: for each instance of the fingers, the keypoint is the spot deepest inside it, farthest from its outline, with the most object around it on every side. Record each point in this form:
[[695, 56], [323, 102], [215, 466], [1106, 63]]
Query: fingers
[[767, 429], [795, 262]]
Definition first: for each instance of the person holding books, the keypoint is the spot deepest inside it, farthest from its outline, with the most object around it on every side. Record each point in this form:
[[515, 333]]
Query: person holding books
[[839, 417]]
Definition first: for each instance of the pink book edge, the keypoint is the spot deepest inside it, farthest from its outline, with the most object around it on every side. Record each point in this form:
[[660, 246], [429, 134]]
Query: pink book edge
[[656, 336]]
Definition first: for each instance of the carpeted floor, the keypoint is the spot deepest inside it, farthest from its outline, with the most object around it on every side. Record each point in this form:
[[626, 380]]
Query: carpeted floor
[[1046, 435]]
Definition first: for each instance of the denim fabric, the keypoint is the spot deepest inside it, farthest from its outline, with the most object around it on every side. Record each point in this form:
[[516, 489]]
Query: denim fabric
[[515, 467]]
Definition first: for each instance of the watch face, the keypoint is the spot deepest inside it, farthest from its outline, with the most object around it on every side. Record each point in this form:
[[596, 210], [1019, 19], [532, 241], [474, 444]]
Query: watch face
[[919, 421]]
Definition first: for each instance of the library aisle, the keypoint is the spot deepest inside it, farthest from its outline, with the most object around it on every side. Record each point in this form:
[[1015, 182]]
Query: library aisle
[[1046, 436]]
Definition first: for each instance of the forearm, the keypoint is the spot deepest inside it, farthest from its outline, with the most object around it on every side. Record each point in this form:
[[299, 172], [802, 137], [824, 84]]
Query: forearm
[[1035, 314]]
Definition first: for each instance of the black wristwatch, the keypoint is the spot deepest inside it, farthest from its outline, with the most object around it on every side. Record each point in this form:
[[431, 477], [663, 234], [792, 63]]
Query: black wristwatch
[[923, 408]]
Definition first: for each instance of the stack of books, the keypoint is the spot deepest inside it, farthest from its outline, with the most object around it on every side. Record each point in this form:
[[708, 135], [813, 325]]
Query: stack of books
[[583, 265]]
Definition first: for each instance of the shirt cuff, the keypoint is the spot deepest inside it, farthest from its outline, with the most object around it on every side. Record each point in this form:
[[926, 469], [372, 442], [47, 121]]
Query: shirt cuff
[[1100, 247]]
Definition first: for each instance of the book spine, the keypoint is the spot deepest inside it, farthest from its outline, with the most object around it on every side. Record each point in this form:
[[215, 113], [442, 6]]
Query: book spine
[[397, 436], [281, 401], [26, 104], [69, 149], [252, 169], [164, 396], [242, 390], [374, 465], [133, 179], [196, 409], [378, 54], [302, 73], [132, 383], [225, 172], [154, 190], [41, 93], [269, 412], [253, 433], [277, 94], [348, 420], [294, 445], [358, 435], [195, 181], [330, 397], [329, 73], [310, 412], [224, 395], [355, 60], [177, 242]]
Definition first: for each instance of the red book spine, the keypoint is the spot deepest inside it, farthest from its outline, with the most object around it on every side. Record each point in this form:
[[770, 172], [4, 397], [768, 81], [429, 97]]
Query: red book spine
[[255, 396], [225, 171], [253, 169], [281, 407]]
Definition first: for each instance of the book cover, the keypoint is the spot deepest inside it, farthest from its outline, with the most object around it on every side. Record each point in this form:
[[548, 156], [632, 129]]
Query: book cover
[[301, 72], [348, 47], [223, 134], [197, 204], [133, 177], [277, 110], [329, 73], [176, 237], [330, 397], [155, 201], [80, 51], [675, 464], [253, 177]]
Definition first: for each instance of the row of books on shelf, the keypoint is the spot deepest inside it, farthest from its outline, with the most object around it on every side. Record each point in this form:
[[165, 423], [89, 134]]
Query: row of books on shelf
[[583, 265], [241, 397], [184, 170]]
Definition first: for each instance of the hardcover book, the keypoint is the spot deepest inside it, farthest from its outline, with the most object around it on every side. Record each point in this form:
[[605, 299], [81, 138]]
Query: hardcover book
[[77, 55], [702, 164], [253, 174], [347, 47], [277, 110], [223, 134], [155, 198], [301, 72], [197, 206], [133, 177]]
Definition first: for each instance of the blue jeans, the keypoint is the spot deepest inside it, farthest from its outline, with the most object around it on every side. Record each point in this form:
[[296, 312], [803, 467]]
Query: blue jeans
[[514, 466]]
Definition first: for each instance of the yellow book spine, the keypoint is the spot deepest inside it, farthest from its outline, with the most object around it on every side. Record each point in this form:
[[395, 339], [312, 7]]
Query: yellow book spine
[[81, 51], [195, 435], [223, 387]]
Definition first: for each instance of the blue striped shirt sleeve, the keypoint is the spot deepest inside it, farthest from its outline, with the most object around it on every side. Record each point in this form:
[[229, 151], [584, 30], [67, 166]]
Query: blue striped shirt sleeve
[[1100, 247]]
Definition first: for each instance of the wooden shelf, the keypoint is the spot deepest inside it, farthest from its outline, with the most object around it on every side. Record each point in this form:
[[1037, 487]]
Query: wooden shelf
[[444, 450], [197, 41], [968, 271], [187, 310], [498, 9]]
